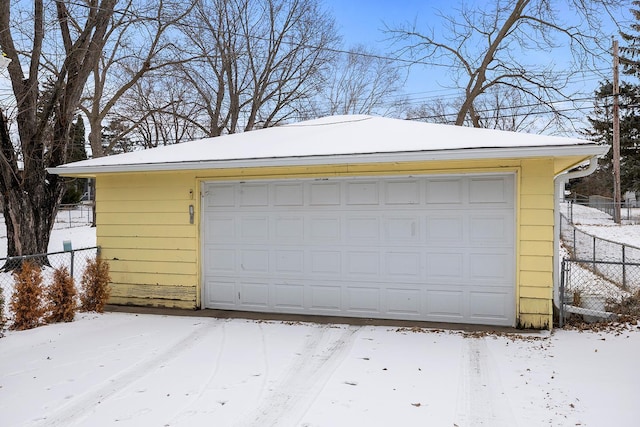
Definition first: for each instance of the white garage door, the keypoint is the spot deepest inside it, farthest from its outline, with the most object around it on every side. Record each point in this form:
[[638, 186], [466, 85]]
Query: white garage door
[[435, 248]]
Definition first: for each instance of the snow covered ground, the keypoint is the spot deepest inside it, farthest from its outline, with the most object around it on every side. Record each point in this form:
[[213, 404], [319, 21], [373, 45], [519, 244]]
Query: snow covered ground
[[145, 370], [601, 225]]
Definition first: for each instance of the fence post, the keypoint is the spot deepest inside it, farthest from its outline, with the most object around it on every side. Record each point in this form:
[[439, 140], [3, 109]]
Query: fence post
[[574, 242], [594, 254], [624, 268], [72, 263], [561, 290], [571, 211]]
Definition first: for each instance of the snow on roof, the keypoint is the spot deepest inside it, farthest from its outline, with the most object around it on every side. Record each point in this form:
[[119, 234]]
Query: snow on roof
[[338, 139]]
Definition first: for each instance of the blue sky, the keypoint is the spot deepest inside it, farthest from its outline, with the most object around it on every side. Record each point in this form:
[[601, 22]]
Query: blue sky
[[362, 21]]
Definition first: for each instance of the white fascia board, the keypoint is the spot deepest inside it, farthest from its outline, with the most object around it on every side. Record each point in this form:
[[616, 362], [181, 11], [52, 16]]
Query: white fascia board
[[393, 157]]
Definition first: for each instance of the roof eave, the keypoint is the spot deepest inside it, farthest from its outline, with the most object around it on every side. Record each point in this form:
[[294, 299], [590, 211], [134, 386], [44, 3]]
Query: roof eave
[[412, 156]]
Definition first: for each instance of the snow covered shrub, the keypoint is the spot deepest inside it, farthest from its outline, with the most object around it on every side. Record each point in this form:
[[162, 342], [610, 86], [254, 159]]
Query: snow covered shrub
[[61, 304], [27, 302], [95, 285]]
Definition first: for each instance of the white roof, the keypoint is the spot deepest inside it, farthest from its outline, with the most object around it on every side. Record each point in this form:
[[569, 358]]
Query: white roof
[[338, 139]]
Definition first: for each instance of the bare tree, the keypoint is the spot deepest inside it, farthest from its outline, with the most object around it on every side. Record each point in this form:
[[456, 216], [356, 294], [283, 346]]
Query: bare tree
[[363, 82], [259, 61], [44, 111], [160, 110], [501, 107], [139, 44], [509, 44]]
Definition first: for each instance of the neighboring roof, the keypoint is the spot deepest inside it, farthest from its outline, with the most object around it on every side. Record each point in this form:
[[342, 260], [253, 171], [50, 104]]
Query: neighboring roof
[[338, 139]]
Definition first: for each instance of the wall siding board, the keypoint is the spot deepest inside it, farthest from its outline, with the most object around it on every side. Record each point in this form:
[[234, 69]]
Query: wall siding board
[[149, 206], [152, 267], [528, 292], [537, 217], [143, 218], [541, 279], [162, 231], [159, 255], [536, 201], [110, 244], [131, 277], [530, 247], [535, 306]]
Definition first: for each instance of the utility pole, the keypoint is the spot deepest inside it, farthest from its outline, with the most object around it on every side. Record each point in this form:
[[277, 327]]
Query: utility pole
[[616, 136]]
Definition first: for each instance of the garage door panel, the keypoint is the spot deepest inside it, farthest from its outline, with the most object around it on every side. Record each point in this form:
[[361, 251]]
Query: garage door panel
[[402, 192], [288, 194], [489, 190], [221, 261], [443, 229], [221, 195], [252, 195], [402, 229], [254, 260], [325, 298], [362, 193], [325, 229], [325, 194], [490, 229], [445, 304], [289, 261], [404, 265], [221, 293], [426, 248], [289, 228], [445, 265], [288, 296], [444, 191], [362, 263], [254, 294], [404, 302], [363, 300], [326, 262], [363, 228], [220, 229], [491, 305], [254, 228], [490, 266]]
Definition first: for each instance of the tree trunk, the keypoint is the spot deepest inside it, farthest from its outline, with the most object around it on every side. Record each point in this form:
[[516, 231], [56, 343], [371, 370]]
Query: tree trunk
[[30, 204]]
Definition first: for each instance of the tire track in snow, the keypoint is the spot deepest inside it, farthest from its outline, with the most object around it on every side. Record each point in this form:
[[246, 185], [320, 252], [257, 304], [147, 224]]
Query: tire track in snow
[[186, 409], [481, 397], [290, 398], [79, 408]]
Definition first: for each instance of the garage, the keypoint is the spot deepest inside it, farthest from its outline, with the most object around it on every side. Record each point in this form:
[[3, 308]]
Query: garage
[[420, 247]]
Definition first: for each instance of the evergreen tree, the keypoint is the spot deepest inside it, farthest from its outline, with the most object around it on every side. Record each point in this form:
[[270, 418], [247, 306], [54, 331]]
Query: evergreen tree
[[77, 150], [630, 54], [602, 131], [75, 187]]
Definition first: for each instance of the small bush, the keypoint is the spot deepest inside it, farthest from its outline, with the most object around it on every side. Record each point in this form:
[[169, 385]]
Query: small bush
[[95, 285], [61, 305], [27, 302]]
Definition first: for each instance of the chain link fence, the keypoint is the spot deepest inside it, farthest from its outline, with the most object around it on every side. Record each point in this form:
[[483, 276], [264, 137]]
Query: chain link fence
[[589, 295], [75, 260], [69, 216], [629, 213], [605, 258]]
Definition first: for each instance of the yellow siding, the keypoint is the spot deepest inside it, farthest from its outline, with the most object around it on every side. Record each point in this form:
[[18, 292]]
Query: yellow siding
[[535, 264], [154, 252], [145, 235]]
